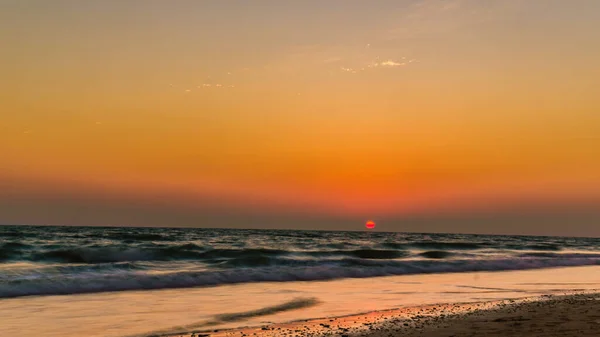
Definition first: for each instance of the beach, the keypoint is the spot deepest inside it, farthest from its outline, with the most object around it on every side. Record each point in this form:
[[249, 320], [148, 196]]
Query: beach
[[575, 315], [138, 282], [565, 315], [352, 307]]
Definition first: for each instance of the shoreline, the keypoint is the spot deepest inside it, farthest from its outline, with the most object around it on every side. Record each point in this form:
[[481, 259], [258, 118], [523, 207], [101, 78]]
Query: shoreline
[[534, 314], [327, 308]]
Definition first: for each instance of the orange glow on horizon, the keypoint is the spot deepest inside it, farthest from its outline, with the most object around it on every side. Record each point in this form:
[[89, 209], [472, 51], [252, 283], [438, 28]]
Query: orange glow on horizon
[[304, 119]]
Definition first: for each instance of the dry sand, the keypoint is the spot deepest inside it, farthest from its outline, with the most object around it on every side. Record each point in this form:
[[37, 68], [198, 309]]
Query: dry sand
[[569, 315]]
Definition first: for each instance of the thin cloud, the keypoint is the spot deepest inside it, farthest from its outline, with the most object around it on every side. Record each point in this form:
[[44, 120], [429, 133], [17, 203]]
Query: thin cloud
[[390, 63]]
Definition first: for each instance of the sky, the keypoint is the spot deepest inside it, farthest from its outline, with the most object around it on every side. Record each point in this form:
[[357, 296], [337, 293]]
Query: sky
[[424, 115]]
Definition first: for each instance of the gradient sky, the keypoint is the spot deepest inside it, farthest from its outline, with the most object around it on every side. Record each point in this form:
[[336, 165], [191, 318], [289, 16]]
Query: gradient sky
[[447, 115]]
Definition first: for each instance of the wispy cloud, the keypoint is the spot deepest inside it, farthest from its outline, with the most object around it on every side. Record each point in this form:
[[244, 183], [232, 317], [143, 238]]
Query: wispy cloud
[[216, 85], [390, 63], [380, 64]]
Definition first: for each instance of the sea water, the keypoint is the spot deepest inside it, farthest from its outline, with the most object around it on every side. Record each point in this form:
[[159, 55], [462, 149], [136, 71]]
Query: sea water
[[128, 281]]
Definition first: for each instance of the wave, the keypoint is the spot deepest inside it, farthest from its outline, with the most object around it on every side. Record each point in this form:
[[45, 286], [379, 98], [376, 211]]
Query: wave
[[14, 234], [114, 254], [10, 250], [76, 284], [561, 255], [92, 255], [236, 253], [235, 256], [262, 261], [377, 254], [440, 245], [13, 245], [372, 254], [541, 247], [139, 237], [436, 254]]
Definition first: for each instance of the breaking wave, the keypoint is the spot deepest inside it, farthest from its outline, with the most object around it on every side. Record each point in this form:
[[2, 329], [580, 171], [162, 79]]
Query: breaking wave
[[86, 283]]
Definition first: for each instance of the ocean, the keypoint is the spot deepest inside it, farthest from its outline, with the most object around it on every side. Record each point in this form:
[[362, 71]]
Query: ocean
[[43, 260]]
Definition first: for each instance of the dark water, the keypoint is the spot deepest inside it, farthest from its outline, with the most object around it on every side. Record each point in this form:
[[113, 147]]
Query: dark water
[[69, 260]]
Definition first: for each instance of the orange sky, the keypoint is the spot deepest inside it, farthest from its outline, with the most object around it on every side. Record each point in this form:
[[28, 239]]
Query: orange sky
[[353, 108]]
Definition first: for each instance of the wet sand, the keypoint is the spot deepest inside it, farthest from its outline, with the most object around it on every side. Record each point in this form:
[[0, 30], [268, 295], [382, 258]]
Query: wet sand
[[566, 315]]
